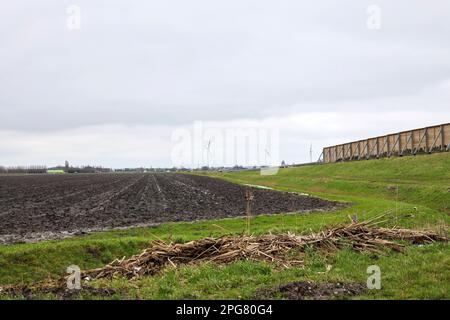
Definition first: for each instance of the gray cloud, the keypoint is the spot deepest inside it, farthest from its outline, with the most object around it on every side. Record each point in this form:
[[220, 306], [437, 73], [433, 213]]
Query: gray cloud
[[170, 63]]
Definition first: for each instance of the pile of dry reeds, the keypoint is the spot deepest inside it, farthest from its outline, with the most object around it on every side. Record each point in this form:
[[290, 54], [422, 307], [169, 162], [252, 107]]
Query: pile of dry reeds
[[364, 236]]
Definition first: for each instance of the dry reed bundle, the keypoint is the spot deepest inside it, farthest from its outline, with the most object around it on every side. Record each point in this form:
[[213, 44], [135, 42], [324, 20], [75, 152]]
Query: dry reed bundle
[[363, 237]]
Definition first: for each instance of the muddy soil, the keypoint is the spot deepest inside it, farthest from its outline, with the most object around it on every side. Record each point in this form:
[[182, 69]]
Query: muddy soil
[[306, 290], [22, 292], [38, 207]]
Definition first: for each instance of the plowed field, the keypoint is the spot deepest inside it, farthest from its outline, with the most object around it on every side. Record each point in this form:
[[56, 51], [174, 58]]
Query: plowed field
[[38, 207]]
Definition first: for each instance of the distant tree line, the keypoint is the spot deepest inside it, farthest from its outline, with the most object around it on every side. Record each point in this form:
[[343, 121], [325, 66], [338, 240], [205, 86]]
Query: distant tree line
[[35, 169], [143, 170], [89, 169], [24, 169], [82, 169]]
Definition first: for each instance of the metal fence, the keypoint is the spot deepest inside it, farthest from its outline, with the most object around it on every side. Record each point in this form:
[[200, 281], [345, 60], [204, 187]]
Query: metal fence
[[423, 140]]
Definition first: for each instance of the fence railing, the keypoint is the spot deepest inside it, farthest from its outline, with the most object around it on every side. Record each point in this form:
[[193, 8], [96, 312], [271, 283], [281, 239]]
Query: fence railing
[[423, 140]]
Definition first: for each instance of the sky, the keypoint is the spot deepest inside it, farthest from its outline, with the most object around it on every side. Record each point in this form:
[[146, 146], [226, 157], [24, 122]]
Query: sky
[[117, 83]]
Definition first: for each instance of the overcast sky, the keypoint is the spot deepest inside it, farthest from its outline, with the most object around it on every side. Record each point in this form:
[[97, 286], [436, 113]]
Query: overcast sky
[[113, 91]]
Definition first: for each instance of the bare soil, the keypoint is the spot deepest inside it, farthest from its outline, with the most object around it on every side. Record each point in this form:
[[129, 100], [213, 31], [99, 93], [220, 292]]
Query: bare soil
[[302, 290], [62, 293], [37, 207]]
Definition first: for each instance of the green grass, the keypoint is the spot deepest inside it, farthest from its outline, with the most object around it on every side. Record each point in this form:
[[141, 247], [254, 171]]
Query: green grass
[[414, 190], [422, 180], [239, 279]]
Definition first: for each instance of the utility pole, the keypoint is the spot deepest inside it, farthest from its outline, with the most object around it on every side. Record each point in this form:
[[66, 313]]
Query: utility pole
[[266, 154], [310, 153], [208, 152]]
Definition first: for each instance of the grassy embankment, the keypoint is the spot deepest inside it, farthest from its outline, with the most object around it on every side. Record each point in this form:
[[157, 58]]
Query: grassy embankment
[[414, 190]]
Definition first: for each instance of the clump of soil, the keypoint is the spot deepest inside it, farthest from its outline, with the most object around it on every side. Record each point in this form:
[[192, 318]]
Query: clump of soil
[[302, 290]]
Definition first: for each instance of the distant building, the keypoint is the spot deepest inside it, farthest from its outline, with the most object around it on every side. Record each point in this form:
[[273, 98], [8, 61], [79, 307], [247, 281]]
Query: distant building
[[55, 171]]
